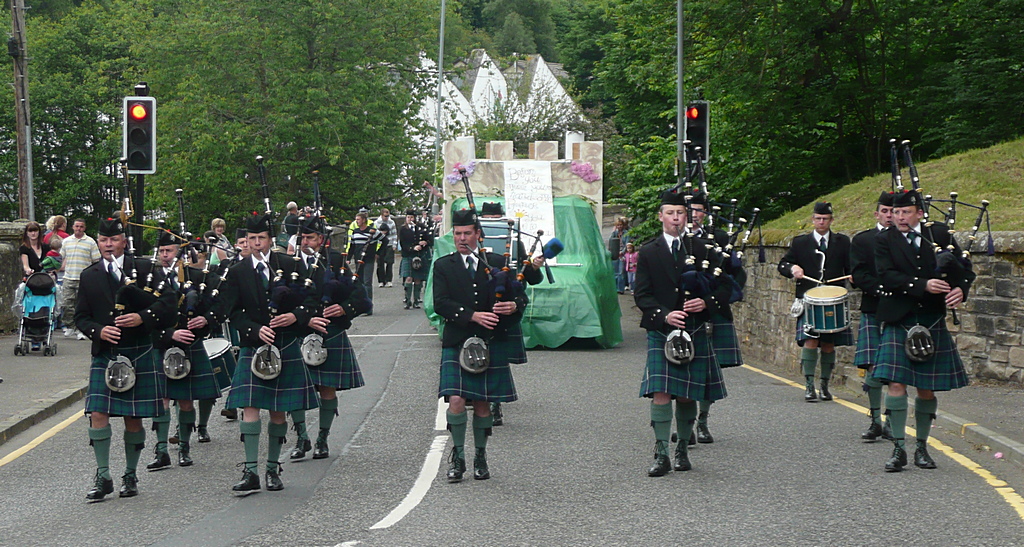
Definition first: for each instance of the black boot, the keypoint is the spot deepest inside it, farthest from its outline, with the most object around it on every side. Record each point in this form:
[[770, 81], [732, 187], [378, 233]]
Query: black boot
[[129, 485], [682, 462], [692, 441], [921, 457], [321, 451], [456, 466], [301, 447], [703, 434], [274, 483], [250, 481], [184, 458], [202, 434], [101, 487], [886, 431], [229, 413], [480, 471], [161, 461], [874, 431], [661, 464], [496, 413], [825, 394], [897, 461], [810, 395]]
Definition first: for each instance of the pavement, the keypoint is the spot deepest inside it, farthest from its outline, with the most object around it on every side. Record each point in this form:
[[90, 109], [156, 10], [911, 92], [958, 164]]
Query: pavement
[[36, 387]]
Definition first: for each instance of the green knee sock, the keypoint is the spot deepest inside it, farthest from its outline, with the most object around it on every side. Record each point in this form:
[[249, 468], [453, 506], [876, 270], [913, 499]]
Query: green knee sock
[[205, 409], [686, 414], [99, 438], [482, 430], [924, 414], [896, 408], [661, 421], [251, 438], [416, 292], [162, 426], [275, 440], [134, 442], [299, 421], [408, 293], [808, 360], [457, 425], [828, 362], [874, 388], [328, 410], [705, 408], [186, 423]]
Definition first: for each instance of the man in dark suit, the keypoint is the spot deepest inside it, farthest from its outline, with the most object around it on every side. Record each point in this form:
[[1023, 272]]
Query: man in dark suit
[[255, 285], [667, 302], [803, 262], [465, 297], [865, 278], [918, 284], [119, 317]]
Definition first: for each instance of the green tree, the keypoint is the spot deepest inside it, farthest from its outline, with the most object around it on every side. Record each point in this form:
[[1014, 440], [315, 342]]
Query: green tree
[[514, 37]]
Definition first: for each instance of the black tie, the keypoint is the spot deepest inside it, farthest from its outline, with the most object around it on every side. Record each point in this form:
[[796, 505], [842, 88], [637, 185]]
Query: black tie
[[469, 264], [261, 269], [912, 237], [310, 260], [114, 281], [675, 248], [822, 245]]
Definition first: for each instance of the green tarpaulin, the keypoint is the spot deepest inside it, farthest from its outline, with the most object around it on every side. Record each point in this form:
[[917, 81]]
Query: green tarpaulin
[[582, 303]]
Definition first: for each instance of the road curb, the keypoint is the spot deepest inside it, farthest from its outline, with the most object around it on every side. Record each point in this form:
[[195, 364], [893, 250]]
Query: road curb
[[27, 418], [971, 432]]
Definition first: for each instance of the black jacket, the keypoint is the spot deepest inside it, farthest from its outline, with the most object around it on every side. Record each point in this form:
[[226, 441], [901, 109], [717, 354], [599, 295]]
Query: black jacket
[[247, 305], [862, 266], [802, 253], [658, 286], [352, 291], [458, 293], [904, 273], [212, 313], [95, 305]]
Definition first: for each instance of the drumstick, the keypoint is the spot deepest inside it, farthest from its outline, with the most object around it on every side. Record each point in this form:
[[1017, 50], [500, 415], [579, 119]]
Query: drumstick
[[839, 278]]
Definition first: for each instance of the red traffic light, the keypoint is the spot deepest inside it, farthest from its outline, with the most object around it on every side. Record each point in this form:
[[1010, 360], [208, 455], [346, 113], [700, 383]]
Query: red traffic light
[[692, 113], [138, 112]]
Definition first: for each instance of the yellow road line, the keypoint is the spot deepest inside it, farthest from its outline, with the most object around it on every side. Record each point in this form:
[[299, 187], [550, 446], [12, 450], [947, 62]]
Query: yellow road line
[[1009, 494], [39, 440]]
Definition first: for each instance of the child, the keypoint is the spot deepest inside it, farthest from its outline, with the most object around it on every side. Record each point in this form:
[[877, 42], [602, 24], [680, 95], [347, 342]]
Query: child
[[52, 262], [630, 257]]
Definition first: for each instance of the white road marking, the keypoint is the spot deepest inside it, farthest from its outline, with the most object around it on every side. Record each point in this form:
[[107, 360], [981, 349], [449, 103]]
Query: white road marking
[[390, 335], [441, 419], [420, 487]]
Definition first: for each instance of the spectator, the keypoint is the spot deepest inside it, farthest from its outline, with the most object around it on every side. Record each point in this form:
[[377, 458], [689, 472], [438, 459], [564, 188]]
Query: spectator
[[77, 252], [32, 250], [220, 251], [629, 259], [290, 225], [55, 227], [386, 252], [52, 263], [362, 251], [615, 248]]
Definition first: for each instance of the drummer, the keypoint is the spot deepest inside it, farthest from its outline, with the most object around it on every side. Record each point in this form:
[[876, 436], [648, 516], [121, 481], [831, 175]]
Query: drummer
[[804, 262]]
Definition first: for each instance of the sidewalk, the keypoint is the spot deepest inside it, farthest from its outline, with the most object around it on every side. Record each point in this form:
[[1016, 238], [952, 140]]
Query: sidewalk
[[37, 387]]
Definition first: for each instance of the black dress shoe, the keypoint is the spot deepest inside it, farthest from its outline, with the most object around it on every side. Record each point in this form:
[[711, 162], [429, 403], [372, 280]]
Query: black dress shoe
[[682, 462], [921, 457], [161, 461], [826, 395], [320, 451], [229, 413], [897, 461], [456, 467], [480, 471], [886, 431], [873, 433], [408, 306], [301, 447], [810, 395], [661, 466], [202, 435], [100, 488], [496, 414], [250, 482], [184, 459], [129, 486], [703, 434], [274, 483]]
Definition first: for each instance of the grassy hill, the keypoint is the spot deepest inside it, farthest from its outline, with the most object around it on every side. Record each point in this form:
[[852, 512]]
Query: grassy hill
[[995, 174]]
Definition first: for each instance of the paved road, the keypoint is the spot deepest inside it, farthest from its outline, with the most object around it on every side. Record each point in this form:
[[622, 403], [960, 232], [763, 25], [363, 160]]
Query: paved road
[[569, 467]]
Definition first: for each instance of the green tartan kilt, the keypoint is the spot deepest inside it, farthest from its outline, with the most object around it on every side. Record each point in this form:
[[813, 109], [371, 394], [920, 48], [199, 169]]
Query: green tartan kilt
[[340, 370], [841, 338], [514, 335], [725, 342], [292, 390], [405, 269], [700, 380], [869, 337], [144, 400], [943, 372], [200, 383], [494, 384]]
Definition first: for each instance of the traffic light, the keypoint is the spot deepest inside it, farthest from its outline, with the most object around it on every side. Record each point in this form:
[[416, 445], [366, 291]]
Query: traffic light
[[139, 135], [698, 128]]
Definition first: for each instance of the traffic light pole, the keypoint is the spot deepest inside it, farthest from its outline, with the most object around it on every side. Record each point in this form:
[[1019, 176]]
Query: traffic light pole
[[141, 90], [681, 165]]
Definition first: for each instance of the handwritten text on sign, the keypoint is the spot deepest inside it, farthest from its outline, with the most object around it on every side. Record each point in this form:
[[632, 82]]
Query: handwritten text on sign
[[528, 189]]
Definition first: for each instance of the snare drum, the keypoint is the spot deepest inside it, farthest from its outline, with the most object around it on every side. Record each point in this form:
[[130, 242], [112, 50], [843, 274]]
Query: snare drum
[[826, 310]]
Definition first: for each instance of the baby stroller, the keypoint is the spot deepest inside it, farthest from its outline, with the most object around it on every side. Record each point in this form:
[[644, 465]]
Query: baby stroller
[[36, 300]]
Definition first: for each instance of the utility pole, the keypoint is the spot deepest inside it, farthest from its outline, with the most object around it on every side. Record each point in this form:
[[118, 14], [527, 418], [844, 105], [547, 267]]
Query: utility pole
[[681, 165], [17, 49], [440, 96]]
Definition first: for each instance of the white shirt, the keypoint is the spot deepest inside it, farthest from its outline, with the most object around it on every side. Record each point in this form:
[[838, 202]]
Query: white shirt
[[256, 263], [818, 237], [669, 239], [118, 266]]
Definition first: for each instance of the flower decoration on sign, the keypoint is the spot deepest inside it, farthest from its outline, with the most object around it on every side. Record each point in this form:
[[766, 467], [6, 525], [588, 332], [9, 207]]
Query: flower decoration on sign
[[455, 176], [585, 171]]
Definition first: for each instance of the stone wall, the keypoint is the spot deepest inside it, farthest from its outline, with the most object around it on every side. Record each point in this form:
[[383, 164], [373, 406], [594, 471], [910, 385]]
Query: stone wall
[[10, 273], [989, 336]]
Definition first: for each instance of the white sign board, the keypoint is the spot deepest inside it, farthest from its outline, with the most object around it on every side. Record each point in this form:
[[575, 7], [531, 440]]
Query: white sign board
[[528, 190]]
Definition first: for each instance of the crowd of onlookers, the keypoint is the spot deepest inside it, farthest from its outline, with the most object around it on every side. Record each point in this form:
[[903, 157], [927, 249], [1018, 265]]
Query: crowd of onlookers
[[624, 256]]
